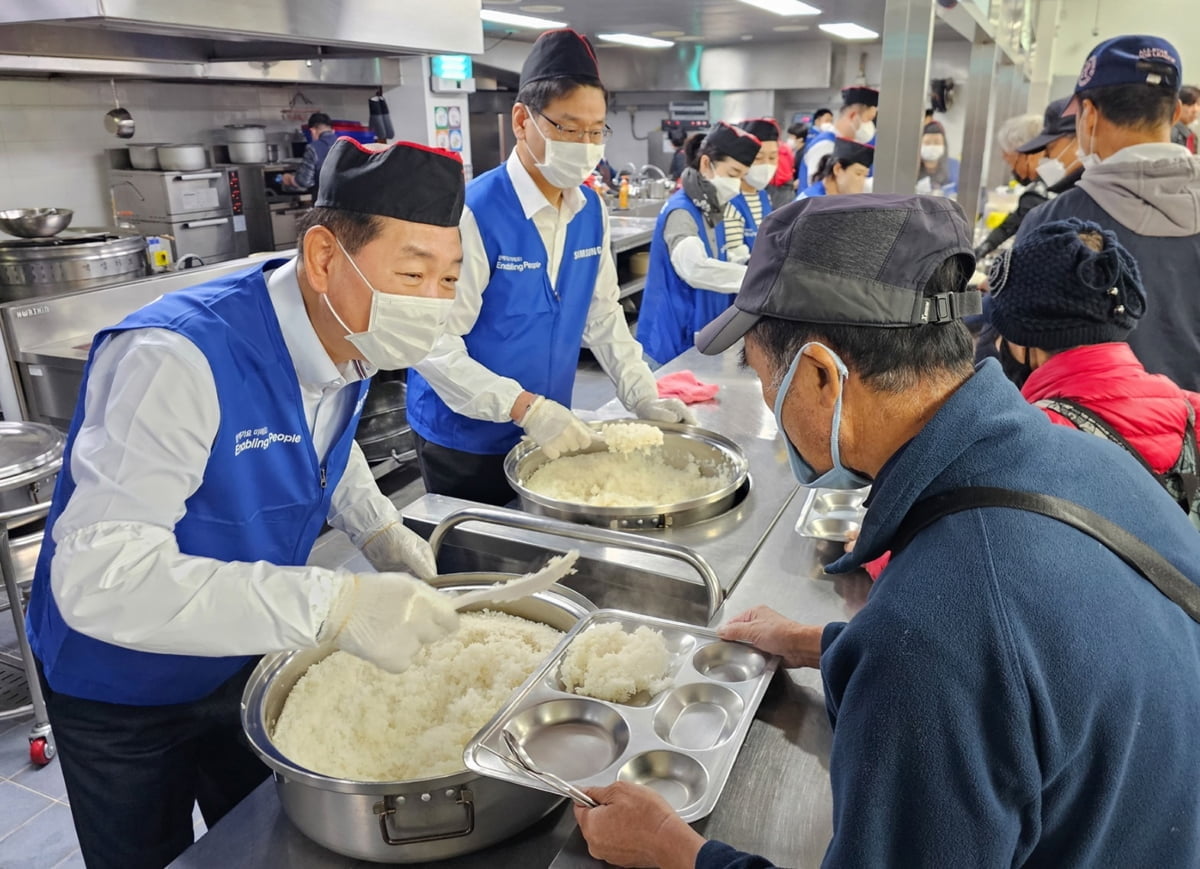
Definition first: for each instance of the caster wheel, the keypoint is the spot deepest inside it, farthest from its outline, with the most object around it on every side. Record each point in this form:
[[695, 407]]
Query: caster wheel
[[41, 751]]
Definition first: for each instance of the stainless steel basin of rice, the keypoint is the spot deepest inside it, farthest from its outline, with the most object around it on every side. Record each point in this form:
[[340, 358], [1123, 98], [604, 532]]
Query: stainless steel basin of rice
[[716, 464]]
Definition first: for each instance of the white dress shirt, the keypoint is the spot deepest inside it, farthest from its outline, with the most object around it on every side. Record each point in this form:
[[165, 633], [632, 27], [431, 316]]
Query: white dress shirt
[[472, 389], [150, 417]]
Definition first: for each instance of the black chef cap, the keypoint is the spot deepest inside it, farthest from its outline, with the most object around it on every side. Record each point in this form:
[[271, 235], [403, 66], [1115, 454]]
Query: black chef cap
[[764, 129], [404, 180], [560, 54], [855, 95], [848, 151], [732, 142]]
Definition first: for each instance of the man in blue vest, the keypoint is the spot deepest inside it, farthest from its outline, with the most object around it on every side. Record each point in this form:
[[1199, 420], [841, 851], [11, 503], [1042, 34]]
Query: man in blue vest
[[212, 441], [538, 282], [320, 126], [855, 120]]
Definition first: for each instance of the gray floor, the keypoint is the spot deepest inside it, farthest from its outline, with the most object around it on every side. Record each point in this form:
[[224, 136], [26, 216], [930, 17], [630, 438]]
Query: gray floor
[[36, 831]]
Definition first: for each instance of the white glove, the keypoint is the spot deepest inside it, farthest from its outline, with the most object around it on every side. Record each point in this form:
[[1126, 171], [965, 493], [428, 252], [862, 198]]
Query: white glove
[[739, 255], [396, 548], [665, 410], [385, 618], [555, 429]]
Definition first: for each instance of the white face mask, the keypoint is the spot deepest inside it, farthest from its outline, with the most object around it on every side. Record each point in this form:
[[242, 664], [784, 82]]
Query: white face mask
[[826, 127], [567, 163], [1051, 170], [402, 329], [760, 176], [865, 132], [726, 188], [1087, 159], [932, 153]]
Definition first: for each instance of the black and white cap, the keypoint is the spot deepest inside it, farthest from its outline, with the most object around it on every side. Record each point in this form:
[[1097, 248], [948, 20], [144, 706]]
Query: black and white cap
[[405, 180]]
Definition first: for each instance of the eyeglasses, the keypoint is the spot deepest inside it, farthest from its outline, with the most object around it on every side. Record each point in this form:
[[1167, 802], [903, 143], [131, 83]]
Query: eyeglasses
[[595, 137]]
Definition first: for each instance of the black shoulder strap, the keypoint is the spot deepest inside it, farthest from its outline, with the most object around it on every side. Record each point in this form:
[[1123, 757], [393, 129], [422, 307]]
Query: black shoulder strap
[[1093, 423], [1150, 564]]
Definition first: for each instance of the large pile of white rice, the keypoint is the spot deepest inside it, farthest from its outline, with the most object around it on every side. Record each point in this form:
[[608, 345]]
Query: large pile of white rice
[[638, 479], [349, 719], [608, 663]]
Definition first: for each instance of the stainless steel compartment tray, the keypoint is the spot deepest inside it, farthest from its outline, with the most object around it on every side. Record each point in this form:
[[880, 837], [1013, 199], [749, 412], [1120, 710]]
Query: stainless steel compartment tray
[[682, 741], [832, 514]]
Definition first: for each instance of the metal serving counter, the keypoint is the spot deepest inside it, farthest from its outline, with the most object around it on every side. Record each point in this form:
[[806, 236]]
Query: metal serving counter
[[777, 801]]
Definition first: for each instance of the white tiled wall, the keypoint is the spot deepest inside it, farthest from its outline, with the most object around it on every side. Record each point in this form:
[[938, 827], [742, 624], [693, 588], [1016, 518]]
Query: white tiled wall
[[52, 135]]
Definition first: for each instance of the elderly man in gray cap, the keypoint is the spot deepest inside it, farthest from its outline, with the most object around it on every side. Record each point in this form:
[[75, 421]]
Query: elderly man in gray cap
[[1022, 686]]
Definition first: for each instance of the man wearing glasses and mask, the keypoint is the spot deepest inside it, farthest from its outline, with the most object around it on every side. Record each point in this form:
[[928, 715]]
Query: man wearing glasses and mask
[[538, 283]]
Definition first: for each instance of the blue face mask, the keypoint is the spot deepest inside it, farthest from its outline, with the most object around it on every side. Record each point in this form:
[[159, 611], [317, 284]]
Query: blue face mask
[[839, 476]]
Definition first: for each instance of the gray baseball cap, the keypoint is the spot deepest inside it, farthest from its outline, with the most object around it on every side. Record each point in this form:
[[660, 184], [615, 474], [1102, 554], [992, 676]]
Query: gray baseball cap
[[855, 260]]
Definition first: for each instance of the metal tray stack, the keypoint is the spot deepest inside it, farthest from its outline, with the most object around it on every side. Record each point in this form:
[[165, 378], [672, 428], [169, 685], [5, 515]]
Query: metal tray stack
[[832, 514], [681, 742]]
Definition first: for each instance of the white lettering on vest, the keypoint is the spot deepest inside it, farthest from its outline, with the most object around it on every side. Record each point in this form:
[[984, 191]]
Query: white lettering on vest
[[260, 439], [584, 252], [507, 263]]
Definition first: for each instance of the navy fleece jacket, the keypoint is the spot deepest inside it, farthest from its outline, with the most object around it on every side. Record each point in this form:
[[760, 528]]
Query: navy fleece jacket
[[1012, 694]]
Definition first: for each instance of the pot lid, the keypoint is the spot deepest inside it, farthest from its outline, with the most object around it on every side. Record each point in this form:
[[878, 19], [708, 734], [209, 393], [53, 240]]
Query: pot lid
[[27, 445]]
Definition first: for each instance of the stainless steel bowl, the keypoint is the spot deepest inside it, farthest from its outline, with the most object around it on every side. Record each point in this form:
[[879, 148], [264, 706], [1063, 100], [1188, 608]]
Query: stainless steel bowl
[[711, 451], [35, 222], [411, 821]]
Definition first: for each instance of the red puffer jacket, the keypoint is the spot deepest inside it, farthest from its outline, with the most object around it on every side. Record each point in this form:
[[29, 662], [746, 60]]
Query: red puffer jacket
[[1148, 410]]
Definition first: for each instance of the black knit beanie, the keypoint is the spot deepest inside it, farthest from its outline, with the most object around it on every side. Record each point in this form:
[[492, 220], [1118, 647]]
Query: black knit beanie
[[1054, 292]]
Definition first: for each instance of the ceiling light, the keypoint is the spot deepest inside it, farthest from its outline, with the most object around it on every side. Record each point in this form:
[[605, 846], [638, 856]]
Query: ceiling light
[[746, 37], [790, 28], [502, 2], [784, 7], [667, 34], [848, 30], [519, 20], [634, 39], [546, 9]]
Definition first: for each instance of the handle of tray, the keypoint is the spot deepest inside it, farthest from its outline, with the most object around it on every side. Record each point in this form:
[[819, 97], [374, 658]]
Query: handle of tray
[[586, 534]]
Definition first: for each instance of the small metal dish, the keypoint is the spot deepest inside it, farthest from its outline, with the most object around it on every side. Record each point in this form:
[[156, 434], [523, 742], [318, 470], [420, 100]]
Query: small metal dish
[[572, 739], [35, 222], [679, 779], [698, 716], [729, 662], [833, 528], [833, 502]]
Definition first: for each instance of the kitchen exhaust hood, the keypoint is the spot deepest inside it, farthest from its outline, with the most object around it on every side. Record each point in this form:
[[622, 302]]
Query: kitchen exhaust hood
[[214, 31]]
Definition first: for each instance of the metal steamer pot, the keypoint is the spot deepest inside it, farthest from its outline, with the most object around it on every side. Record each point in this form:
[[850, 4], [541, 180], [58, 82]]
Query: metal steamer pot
[[411, 821], [383, 431], [31, 455], [712, 451]]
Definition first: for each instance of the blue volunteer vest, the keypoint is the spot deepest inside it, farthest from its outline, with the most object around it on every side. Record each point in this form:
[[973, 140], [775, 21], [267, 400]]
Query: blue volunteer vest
[[817, 188], [820, 137], [743, 207], [673, 311], [526, 329], [264, 496]]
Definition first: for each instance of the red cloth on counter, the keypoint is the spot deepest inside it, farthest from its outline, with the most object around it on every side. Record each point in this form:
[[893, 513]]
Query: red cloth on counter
[[1148, 410], [684, 386]]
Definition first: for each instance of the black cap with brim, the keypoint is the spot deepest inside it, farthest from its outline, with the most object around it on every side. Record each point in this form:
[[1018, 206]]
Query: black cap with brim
[[848, 152], [732, 142], [860, 260], [404, 180], [560, 54], [1055, 125]]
